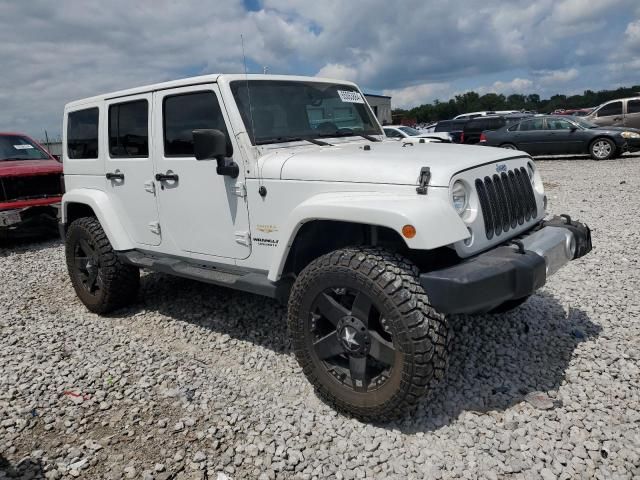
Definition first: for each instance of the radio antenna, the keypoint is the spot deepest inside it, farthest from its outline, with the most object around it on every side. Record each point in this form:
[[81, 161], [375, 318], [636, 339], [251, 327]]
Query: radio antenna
[[246, 79]]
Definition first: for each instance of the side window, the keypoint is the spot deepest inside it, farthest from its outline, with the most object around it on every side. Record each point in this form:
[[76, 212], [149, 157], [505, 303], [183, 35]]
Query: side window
[[82, 134], [392, 133], [529, 125], [129, 129], [633, 106], [186, 112], [558, 124], [614, 108]]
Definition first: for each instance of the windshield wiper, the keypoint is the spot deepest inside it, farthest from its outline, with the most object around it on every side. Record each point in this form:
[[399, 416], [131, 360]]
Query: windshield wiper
[[315, 141], [350, 133]]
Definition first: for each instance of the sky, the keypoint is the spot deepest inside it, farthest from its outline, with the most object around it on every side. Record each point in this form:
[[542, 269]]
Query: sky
[[414, 50]]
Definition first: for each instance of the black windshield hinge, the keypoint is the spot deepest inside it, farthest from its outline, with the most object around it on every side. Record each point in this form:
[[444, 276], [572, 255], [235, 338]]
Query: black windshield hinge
[[423, 180]]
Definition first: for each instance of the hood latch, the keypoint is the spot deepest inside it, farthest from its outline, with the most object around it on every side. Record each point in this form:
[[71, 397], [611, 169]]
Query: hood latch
[[423, 180]]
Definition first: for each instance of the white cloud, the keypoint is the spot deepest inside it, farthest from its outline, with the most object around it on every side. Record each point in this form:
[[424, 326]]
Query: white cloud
[[417, 94], [341, 72], [517, 85], [558, 76]]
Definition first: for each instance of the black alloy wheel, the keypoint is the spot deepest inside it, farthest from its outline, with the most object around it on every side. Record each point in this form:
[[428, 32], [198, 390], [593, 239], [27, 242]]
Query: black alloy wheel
[[87, 264], [349, 339]]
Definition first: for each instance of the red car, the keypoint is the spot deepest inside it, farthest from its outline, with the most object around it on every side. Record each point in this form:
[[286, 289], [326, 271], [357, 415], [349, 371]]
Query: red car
[[31, 183]]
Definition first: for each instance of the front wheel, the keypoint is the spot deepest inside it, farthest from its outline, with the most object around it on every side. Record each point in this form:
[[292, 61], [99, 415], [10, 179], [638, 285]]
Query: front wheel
[[602, 149], [364, 332]]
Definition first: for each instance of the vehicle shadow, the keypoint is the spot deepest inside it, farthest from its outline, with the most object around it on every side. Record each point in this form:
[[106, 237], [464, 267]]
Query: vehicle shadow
[[243, 316], [496, 360], [17, 241], [25, 469]]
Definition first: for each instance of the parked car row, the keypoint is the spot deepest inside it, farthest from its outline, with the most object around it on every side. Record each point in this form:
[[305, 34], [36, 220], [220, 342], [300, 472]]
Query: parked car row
[[603, 132]]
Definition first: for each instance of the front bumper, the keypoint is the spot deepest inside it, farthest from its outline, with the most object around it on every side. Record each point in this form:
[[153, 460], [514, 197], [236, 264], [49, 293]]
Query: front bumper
[[28, 216], [508, 272], [632, 145]]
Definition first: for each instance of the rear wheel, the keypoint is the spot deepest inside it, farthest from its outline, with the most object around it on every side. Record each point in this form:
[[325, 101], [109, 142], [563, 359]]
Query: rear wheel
[[509, 146], [602, 149], [364, 332], [100, 280]]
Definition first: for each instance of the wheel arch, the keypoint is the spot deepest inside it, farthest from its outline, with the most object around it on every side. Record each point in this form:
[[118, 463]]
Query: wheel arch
[[95, 203], [338, 220]]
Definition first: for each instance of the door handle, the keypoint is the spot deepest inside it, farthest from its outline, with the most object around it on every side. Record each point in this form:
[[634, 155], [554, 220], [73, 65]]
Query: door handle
[[162, 177], [114, 175]]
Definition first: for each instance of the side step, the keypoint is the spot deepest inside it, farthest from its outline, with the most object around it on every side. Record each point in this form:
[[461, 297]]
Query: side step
[[257, 283]]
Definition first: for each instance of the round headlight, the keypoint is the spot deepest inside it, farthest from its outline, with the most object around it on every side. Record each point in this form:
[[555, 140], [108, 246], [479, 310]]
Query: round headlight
[[459, 197]]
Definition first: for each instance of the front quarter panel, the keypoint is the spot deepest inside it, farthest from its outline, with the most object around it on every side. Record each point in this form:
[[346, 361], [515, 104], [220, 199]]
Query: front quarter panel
[[436, 222]]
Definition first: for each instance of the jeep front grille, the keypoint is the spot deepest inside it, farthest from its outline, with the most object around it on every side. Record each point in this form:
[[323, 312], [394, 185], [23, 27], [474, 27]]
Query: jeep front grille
[[507, 200]]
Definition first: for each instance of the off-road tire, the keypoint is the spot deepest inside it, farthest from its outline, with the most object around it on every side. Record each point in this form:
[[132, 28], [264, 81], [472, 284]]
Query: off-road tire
[[120, 282], [595, 146], [419, 333]]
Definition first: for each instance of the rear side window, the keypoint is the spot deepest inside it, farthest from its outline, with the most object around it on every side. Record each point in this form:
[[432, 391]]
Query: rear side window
[[185, 113], [529, 125], [82, 134], [129, 129], [614, 108], [633, 106]]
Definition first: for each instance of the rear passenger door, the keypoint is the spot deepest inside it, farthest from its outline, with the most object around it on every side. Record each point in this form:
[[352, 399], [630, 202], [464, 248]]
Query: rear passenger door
[[129, 167], [531, 136], [632, 115]]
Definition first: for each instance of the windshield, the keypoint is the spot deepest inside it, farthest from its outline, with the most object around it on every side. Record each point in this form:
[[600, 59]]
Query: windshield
[[292, 110], [584, 123], [17, 147], [412, 132]]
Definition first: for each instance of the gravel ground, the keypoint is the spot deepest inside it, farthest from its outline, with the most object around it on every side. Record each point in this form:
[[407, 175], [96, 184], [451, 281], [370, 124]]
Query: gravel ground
[[196, 381]]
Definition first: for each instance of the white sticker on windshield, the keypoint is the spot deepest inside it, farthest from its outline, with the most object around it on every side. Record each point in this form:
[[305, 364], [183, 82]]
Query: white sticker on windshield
[[350, 97], [23, 147]]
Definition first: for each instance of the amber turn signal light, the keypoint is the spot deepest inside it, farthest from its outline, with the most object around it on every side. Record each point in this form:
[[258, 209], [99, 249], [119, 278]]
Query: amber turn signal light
[[409, 231]]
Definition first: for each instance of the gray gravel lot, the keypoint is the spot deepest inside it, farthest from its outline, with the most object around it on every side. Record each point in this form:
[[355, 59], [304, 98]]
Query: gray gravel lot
[[196, 381]]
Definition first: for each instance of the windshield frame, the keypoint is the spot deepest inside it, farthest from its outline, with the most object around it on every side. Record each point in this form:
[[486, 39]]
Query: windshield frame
[[246, 106], [25, 140]]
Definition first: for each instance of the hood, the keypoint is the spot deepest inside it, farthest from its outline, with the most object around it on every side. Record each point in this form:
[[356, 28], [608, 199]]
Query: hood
[[14, 168], [385, 162]]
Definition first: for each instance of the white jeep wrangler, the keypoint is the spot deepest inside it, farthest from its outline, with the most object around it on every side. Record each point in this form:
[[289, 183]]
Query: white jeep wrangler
[[283, 186]]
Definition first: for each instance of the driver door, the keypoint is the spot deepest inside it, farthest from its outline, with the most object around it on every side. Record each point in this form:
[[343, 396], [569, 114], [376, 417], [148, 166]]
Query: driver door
[[202, 212]]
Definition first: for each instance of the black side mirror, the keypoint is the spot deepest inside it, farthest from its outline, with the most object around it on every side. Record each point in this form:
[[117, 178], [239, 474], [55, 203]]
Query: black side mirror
[[573, 128], [211, 144]]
